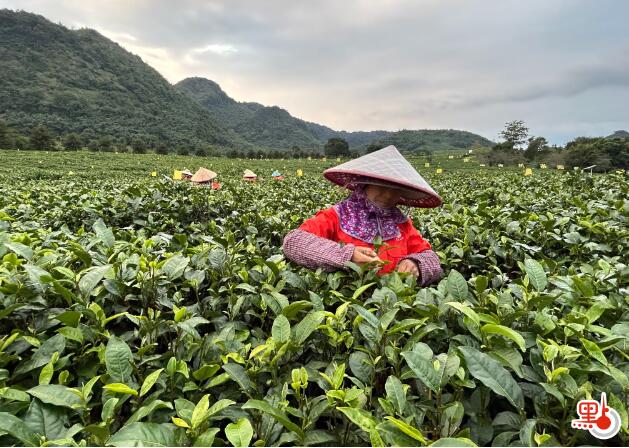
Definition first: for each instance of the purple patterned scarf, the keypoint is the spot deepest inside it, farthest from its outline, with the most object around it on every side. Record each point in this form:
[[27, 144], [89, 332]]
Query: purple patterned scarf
[[362, 219]]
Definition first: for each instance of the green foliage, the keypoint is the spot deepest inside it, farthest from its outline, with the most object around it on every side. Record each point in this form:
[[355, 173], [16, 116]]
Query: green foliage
[[430, 140], [72, 142], [41, 139], [79, 81], [515, 133], [336, 147], [135, 310], [6, 140]]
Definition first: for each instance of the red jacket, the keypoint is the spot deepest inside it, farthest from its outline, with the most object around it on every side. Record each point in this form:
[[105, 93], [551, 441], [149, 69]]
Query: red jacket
[[325, 224]]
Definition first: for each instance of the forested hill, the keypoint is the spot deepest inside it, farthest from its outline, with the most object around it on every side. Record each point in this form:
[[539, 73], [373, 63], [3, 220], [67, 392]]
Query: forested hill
[[79, 81], [271, 127], [275, 127]]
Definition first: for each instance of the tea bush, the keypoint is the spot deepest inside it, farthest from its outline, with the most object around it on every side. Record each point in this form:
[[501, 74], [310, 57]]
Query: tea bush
[[135, 310]]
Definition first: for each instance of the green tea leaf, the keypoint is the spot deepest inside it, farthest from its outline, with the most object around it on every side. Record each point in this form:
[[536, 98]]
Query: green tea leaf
[[456, 285], [56, 394], [47, 420], [149, 381], [12, 425], [175, 266], [423, 370], [144, 434], [91, 278], [207, 438], [361, 418], [536, 274], [276, 413], [396, 393], [281, 329], [240, 433], [489, 372], [469, 312], [119, 360], [407, 429], [506, 332], [103, 233], [594, 350], [120, 388], [237, 373], [304, 329], [199, 414]]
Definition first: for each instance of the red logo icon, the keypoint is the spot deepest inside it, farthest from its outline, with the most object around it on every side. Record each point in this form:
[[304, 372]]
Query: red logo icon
[[602, 421]]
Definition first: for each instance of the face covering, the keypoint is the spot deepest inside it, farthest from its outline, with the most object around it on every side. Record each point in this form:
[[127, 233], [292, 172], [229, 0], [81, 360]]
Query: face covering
[[362, 219]]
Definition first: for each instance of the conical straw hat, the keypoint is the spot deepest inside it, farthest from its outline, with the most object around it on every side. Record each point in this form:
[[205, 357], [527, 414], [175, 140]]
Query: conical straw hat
[[389, 168], [249, 173], [203, 175], [187, 172]]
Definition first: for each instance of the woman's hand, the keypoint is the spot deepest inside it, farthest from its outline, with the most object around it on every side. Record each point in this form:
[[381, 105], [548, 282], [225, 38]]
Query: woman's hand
[[365, 255], [407, 265]]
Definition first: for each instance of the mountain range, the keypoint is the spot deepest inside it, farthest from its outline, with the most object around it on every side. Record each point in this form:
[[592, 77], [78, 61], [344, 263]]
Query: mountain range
[[80, 81]]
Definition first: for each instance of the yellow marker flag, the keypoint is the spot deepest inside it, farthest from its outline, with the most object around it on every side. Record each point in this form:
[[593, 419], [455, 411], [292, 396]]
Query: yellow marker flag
[[154, 173], [450, 157], [177, 175], [500, 165], [560, 167], [300, 173], [466, 160], [338, 159], [520, 165], [439, 170], [482, 164], [309, 158], [426, 165], [528, 172], [325, 159]]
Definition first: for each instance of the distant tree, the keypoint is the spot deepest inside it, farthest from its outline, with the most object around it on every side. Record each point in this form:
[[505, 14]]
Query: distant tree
[[589, 154], [72, 142], [92, 145], [373, 147], [294, 152], [41, 139], [504, 153], [21, 142], [6, 137], [139, 145], [581, 141], [336, 147], [515, 132], [201, 152], [104, 143], [603, 152], [535, 147], [183, 151], [161, 148]]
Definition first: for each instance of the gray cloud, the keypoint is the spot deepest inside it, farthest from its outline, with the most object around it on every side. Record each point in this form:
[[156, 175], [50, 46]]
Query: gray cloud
[[388, 64]]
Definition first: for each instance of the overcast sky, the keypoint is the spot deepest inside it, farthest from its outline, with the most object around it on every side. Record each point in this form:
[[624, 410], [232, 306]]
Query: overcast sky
[[562, 66]]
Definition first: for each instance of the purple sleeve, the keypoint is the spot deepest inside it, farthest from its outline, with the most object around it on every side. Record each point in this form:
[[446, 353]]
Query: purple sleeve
[[312, 251], [429, 266]]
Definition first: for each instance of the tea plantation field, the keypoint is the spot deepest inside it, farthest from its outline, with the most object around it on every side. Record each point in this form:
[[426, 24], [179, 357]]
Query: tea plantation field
[[135, 310]]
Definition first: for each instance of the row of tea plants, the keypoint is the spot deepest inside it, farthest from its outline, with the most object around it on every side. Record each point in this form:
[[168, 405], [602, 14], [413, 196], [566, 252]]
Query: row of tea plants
[[135, 310]]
